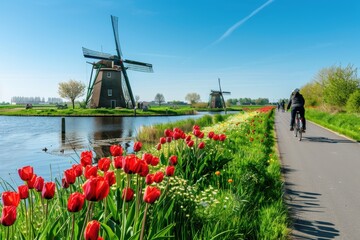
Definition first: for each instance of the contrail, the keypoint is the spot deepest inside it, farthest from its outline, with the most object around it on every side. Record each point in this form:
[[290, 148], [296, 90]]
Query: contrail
[[241, 22]]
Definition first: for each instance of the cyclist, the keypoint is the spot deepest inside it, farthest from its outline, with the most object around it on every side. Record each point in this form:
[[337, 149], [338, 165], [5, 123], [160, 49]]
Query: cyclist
[[296, 102]]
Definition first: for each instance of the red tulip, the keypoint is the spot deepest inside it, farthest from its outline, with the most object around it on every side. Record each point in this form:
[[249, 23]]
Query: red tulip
[[201, 145], [147, 157], [201, 135], [110, 177], [222, 137], [176, 135], [48, 190], [173, 160], [39, 184], [118, 162], [154, 161], [187, 138], [77, 169], [149, 179], [158, 146], [104, 164], [168, 139], [216, 137], [169, 171], [8, 215], [151, 194], [23, 191], [90, 171], [92, 230], [197, 132], [69, 175], [86, 158], [116, 150], [31, 182], [196, 127], [130, 164], [75, 202], [64, 184], [162, 140], [158, 177], [96, 188], [211, 134], [137, 146], [143, 168], [168, 133], [190, 143], [129, 194], [26, 173], [10, 198]]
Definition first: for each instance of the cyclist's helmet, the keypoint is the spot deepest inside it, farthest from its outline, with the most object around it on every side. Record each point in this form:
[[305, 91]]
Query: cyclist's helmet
[[296, 90]]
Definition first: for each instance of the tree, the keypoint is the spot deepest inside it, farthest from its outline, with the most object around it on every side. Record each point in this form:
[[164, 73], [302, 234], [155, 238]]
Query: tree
[[340, 84], [313, 93], [192, 98], [71, 90], [159, 98], [353, 104]]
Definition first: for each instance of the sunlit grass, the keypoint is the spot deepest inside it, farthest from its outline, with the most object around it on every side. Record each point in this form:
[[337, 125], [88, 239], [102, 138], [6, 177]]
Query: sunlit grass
[[344, 123]]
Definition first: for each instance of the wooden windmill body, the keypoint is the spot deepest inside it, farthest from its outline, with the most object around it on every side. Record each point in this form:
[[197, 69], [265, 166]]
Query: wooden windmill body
[[216, 99], [110, 87]]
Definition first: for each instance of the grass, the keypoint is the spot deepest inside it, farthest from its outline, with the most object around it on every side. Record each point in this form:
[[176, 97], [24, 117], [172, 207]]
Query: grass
[[344, 123], [53, 111]]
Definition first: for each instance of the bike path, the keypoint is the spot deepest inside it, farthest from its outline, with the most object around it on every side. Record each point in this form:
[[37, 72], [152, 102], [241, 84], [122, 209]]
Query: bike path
[[322, 181]]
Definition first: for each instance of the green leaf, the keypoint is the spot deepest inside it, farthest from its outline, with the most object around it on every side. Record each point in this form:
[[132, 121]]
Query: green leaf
[[109, 232]]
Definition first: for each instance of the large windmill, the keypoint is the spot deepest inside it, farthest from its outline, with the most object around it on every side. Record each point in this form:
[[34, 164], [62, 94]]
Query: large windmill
[[216, 99], [110, 87]]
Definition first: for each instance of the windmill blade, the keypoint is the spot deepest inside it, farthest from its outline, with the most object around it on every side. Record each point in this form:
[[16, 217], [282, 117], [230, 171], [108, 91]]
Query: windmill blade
[[226, 92], [114, 21], [138, 66], [219, 84], [97, 55]]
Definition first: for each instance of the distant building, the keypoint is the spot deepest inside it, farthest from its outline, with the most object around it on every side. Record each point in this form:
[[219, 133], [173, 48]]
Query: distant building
[[34, 100]]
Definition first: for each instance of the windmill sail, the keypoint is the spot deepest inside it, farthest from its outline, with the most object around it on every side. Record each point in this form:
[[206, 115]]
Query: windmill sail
[[138, 66], [96, 55], [114, 21]]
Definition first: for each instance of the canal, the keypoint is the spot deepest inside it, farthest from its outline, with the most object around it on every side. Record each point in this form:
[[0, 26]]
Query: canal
[[39, 142]]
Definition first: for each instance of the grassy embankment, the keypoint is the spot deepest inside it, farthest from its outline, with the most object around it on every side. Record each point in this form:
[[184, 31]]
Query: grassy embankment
[[49, 110], [344, 123]]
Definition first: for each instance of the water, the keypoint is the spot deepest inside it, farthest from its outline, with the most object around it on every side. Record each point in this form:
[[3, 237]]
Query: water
[[23, 141]]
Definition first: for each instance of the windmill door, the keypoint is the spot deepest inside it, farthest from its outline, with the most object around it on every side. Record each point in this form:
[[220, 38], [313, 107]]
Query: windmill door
[[113, 103]]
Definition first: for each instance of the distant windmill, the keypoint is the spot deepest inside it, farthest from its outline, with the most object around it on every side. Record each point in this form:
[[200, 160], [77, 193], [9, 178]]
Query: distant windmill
[[110, 86], [217, 99]]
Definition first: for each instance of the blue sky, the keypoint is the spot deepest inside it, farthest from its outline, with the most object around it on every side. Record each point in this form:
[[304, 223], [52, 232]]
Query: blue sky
[[258, 48]]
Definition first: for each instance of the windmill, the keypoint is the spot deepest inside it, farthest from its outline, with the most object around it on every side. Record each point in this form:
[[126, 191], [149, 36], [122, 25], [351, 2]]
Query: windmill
[[110, 87], [217, 99]]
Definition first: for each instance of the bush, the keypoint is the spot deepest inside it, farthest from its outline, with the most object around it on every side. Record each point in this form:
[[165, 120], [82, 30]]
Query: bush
[[353, 104]]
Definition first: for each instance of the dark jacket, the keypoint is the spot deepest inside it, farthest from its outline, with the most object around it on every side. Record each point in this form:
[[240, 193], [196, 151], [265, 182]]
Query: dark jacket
[[296, 100]]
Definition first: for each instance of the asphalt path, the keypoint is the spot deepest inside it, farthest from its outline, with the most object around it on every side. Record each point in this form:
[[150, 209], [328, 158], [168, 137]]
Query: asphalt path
[[322, 181]]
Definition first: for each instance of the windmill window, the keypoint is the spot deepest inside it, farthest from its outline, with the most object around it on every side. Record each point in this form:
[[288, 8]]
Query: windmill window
[[109, 92], [108, 74]]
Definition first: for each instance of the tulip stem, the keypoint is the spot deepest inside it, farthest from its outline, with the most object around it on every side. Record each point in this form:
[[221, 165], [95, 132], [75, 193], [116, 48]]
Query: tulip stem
[[143, 223], [73, 226], [123, 208], [86, 218]]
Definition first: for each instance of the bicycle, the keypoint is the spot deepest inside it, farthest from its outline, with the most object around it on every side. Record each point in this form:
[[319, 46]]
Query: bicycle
[[298, 126]]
